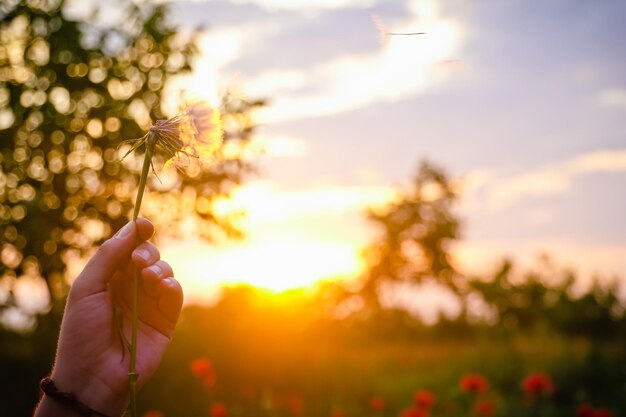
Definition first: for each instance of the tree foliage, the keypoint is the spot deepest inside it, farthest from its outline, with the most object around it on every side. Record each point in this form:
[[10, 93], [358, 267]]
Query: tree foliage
[[416, 233], [548, 298], [71, 92]]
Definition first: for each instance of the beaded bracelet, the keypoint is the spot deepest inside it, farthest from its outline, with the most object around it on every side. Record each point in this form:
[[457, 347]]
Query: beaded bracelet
[[67, 399]]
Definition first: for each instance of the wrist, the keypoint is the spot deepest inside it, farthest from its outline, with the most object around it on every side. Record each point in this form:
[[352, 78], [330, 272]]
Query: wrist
[[50, 407], [90, 391]]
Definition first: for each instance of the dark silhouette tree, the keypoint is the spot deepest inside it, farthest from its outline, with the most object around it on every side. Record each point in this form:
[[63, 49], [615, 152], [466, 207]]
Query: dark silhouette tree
[[416, 232], [546, 298], [71, 92]]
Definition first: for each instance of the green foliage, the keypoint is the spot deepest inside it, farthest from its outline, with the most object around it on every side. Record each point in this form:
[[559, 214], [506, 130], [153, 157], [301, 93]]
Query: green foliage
[[265, 347], [70, 93], [417, 231], [551, 299]]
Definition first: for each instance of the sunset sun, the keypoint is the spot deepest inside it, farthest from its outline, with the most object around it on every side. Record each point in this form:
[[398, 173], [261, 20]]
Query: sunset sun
[[293, 240]]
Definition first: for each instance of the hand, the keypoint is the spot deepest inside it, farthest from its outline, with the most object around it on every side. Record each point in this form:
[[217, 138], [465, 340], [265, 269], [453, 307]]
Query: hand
[[91, 361]]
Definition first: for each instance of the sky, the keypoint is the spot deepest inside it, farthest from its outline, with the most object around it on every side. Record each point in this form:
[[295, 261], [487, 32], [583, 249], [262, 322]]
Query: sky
[[524, 102]]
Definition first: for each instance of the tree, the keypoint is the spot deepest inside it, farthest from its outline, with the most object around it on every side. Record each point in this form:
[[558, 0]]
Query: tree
[[546, 298], [417, 231], [70, 93]]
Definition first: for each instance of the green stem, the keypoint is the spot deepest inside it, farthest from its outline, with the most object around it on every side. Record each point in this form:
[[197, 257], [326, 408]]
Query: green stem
[[147, 160], [132, 372]]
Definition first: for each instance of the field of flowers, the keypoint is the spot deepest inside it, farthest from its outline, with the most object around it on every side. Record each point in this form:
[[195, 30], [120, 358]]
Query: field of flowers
[[249, 357], [294, 370]]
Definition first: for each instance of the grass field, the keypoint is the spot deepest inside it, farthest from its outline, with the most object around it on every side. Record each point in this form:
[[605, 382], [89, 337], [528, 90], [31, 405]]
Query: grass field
[[295, 369]]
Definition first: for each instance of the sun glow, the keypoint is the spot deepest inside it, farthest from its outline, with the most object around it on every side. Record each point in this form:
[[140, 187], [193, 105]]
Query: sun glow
[[294, 240], [277, 266], [297, 237]]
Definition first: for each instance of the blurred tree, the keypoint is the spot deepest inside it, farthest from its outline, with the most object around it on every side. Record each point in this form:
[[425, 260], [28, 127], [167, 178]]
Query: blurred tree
[[417, 231], [547, 298], [71, 92]]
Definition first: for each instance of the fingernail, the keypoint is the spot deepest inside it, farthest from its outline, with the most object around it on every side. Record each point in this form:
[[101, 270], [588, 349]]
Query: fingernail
[[156, 269], [124, 231], [143, 254]]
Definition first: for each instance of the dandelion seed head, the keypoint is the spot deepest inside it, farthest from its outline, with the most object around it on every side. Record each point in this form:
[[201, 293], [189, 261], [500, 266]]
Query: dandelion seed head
[[195, 133], [201, 130]]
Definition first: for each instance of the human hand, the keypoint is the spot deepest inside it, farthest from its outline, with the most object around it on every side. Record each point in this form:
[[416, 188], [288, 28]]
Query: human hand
[[91, 361]]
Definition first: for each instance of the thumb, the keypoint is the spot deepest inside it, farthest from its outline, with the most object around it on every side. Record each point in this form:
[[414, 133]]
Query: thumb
[[113, 254]]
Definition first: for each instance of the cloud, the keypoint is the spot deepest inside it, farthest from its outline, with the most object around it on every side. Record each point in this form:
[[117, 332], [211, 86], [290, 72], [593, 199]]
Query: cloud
[[428, 300], [218, 48], [552, 179], [279, 146], [587, 259], [403, 67], [307, 4], [333, 62], [540, 216], [265, 202], [276, 5], [612, 97]]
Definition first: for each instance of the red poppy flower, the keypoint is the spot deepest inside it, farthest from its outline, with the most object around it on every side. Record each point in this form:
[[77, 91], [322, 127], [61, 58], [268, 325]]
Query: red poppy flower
[[414, 412], [484, 409], [203, 369], [424, 399], [474, 384], [219, 410], [337, 412], [585, 411], [537, 384], [295, 405], [153, 413], [602, 412], [377, 403]]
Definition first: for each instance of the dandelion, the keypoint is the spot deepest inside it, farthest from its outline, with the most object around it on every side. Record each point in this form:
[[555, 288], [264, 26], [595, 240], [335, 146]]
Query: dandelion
[[537, 384], [195, 133], [474, 384], [424, 400]]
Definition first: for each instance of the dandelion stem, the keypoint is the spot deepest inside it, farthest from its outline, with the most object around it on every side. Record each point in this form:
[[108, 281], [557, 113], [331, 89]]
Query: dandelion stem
[[132, 372], [144, 173]]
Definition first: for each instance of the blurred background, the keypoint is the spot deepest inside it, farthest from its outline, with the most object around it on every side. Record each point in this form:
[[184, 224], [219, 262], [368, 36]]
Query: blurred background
[[395, 225]]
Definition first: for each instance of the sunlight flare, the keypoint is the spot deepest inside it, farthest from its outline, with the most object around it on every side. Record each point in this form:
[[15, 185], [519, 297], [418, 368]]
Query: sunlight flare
[[291, 240], [279, 265]]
